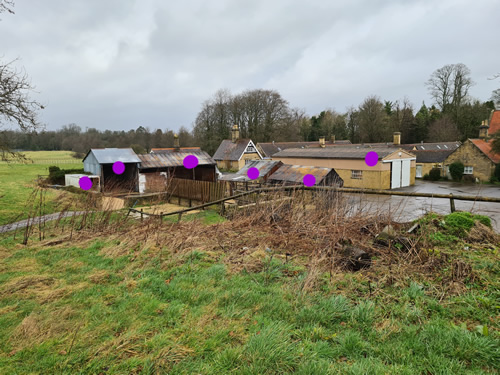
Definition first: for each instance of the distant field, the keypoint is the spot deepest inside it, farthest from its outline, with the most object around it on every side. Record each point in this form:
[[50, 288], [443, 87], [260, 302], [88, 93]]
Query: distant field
[[17, 182], [46, 157]]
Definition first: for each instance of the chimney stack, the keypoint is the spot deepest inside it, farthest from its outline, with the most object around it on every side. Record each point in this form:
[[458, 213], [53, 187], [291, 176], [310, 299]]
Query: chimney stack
[[483, 130], [235, 133], [333, 138], [321, 141], [176, 142], [397, 138]]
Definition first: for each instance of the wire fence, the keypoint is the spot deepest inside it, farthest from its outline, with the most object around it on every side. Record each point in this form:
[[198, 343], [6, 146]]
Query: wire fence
[[43, 161]]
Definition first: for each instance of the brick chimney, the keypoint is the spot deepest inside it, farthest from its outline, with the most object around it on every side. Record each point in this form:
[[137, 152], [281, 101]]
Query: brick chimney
[[235, 133], [397, 138], [333, 138], [483, 130], [321, 141], [176, 142]]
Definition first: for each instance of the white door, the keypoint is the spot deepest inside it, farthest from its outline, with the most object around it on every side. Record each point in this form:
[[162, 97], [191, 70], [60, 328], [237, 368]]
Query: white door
[[405, 173], [396, 174], [419, 171], [142, 183]]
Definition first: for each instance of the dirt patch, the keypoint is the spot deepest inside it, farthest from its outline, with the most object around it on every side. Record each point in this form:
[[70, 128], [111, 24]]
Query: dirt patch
[[112, 204]]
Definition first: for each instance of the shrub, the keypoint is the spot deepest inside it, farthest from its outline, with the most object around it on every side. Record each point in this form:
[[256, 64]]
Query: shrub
[[483, 220], [78, 155], [56, 175], [497, 171], [426, 177], [459, 223], [457, 170], [493, 179], [435, 174]]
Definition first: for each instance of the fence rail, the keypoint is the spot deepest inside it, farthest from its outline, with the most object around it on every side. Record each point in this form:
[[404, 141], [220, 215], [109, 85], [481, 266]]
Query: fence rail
[[43, 161], [203, 191]]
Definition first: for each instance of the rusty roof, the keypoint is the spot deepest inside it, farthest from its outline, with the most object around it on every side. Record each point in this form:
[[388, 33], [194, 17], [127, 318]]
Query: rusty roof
[[494, 123], [342, 152], [264, 167], [296, 173], [485, 148], [173, 159]]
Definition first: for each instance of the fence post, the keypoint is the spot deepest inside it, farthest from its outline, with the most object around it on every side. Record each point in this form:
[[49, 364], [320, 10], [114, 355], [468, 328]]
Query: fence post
[[180, 217], [142, 215], [223, 208], [452, 203]]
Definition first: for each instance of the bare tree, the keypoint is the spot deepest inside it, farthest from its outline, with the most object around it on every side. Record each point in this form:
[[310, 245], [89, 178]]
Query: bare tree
[[449, 86], [443, 130], [6, 6]]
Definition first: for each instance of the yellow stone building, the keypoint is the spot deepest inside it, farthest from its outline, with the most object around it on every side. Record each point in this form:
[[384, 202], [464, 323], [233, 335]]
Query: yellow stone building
[[235, 153]]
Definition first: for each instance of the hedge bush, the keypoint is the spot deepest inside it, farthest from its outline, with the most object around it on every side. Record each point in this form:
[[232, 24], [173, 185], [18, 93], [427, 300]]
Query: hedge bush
[[56, 174], [435, 174], [457, 170]]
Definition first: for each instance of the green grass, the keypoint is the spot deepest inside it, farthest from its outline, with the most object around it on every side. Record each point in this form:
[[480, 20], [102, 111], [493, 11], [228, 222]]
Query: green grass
[[17, 182], [72, 309]]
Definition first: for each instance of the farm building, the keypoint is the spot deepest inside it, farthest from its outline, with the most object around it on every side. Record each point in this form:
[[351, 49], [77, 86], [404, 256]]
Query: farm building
[[268, 149], [156, 168], [100, 162], [235, 153], [294, 175], [395, 167], [430, 155]]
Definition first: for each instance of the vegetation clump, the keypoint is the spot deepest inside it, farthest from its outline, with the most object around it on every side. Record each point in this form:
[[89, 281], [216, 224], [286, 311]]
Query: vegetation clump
[[457, 170], [435, 174]]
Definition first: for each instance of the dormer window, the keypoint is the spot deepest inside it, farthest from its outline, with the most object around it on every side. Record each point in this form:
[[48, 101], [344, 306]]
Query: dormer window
[[250, 149]]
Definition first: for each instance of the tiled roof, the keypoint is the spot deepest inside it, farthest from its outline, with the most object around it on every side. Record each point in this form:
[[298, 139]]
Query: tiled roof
[[270, 148], [485, 148], [171, 149], [494, 123], [173, 159], [229, 150], [344, 152], [112, 155]]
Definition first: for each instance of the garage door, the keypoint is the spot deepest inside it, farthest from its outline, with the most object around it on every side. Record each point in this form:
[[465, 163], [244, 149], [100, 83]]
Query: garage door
[[396, 174], [405, 173]]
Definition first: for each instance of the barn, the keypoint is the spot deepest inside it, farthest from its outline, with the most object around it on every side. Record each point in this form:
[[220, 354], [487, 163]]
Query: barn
[[294, 175], [99, 162]]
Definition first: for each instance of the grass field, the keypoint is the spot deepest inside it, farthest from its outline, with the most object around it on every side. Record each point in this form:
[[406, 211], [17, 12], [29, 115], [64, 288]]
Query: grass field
[[123, 303], [46, 157], [17, 183]]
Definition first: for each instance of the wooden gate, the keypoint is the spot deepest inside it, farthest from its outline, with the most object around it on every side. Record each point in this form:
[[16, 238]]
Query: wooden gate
[[203, 191]]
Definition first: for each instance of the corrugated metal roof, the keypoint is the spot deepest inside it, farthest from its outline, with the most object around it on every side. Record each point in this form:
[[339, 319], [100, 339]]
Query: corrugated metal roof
[[271, 148], [264, 167], [296, 173], [431, 146], [173, 159], [431, 156], [229, 150], [112, 155], [342, 152], [172, 149]]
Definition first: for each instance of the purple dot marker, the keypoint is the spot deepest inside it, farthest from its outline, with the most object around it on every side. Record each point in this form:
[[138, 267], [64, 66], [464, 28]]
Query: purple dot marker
[[253, 173], [118, 167], [190, 161], [309, 180], [371, 159], [85, 183]]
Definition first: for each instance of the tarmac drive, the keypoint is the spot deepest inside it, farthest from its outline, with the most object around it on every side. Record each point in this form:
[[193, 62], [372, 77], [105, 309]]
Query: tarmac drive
[[410, 208]]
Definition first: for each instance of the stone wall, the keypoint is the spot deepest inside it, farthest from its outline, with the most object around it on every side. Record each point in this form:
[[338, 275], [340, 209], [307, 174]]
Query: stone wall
[[469, 155]]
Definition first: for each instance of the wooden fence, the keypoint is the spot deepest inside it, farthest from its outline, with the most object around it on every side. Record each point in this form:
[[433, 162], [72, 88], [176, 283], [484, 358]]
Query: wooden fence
[[203, 191]]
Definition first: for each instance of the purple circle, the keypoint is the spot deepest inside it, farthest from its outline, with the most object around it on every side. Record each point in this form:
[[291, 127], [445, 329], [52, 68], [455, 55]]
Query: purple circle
[[309, 180], [253, 173], [85, 183], [118, 167], [190, 161], [371, 159]]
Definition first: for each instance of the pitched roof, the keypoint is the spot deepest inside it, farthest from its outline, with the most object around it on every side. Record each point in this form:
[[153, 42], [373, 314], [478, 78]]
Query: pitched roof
[[112, 155], [171, 149], [296, 173], [264, 167], [432, 146], [173, 159], [271, 148], [344, 152], [485, 148], [494, 123], [229, 150], [431, 156]]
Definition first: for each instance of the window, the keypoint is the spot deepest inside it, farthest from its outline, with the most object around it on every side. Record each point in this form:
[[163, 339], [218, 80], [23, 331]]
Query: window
[[468, 170], [250, 149], [358, 175], [248, 161]]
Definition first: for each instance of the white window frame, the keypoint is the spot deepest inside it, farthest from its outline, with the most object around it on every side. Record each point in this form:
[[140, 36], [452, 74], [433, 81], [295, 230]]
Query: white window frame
[[356, 174], [468, 169]]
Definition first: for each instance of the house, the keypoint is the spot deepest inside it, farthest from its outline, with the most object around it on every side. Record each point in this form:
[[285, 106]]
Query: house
[[430, 156], [268, 149], [294, 175], [476, 154], [99, 162], [395, 167], [235, 153]]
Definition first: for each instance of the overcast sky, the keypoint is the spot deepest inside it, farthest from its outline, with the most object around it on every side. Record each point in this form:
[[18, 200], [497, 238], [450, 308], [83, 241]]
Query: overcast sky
[[119, 64]]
